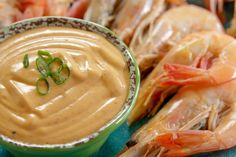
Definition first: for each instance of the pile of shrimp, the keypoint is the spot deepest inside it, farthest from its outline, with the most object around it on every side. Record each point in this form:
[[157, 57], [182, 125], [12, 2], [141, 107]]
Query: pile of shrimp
[[189, 92], [187, 63]]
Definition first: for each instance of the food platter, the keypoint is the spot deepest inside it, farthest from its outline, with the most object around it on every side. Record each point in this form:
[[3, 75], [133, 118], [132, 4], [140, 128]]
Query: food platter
[[120, 136]]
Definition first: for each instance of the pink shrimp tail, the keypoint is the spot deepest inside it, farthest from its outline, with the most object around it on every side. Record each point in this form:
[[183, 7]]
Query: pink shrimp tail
[[189, 142], [185, 75], [177, 74]]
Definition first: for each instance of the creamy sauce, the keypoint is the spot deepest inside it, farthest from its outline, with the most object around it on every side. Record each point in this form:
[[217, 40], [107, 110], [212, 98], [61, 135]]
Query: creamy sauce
[[92, 96]]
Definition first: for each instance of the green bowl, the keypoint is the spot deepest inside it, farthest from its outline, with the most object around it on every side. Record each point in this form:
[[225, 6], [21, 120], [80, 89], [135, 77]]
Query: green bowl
[[90, 144]]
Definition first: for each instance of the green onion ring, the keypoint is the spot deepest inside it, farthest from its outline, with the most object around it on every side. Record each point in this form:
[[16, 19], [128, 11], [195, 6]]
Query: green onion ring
[[42, 67], [65, 67], [58, 78], [26, 61], [58, 74], [56, 60], [42, 79], [45, 55]]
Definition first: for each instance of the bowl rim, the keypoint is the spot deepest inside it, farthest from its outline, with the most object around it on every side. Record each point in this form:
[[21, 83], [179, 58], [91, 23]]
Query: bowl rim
[[105, 32]]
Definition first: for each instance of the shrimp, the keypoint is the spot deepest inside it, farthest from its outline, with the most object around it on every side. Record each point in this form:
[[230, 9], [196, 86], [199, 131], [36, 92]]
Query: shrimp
[[129, 14], [211, 109], [168, 23], [154, 37], [100, 11], [199, 103]]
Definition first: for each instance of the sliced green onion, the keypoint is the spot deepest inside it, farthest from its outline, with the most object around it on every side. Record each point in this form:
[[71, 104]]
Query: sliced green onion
[[42, 86], [65, 71], [47, 65], [26, 61], [55, 65], [45, 55], [57, 78], [62, 75], [42, 67]]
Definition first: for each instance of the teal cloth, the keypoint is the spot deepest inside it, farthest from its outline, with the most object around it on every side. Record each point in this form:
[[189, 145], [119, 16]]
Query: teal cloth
[[117, 140]]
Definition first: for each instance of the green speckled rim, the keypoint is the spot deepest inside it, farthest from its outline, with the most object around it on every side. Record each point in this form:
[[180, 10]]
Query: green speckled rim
[[134, 76]]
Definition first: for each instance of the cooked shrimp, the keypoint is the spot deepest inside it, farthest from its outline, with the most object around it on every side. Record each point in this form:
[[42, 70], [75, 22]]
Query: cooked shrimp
[[187, 52], [170, 28], [100, 11], [130, 13], [211, 109], [209, 106], [154, 37]]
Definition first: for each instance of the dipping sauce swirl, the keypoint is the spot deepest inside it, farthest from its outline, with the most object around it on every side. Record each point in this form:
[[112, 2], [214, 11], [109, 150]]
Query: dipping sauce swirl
[[93, 94]]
